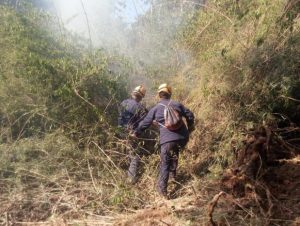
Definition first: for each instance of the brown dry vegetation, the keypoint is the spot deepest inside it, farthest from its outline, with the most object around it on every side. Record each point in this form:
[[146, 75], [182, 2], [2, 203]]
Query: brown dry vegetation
[[62, 163]]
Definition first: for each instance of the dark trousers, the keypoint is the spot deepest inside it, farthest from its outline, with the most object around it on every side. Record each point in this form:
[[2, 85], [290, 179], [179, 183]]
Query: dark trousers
[[135, 155], [169, 155]]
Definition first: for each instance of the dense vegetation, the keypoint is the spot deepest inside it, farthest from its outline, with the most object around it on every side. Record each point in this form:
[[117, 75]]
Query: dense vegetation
[[234, 63], [56, 98], [246, 67]]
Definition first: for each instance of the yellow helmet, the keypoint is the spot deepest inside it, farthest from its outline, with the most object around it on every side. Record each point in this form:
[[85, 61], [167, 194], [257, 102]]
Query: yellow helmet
[[140, 90], [165, 88]]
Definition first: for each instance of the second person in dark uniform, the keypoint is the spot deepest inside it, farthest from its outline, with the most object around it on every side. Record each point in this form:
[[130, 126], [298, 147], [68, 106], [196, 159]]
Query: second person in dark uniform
[[131, 113]]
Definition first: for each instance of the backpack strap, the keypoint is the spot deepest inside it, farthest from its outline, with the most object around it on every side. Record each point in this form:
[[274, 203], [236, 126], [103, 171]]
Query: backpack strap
[[159, 122], [162, 104]]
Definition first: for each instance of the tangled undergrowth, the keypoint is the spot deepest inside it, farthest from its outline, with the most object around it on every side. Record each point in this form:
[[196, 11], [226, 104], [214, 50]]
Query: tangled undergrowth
[[264, 181], [61, 162]]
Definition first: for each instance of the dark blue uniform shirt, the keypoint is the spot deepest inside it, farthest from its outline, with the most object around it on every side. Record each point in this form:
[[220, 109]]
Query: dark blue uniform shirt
[[157, 114], [131, 113]]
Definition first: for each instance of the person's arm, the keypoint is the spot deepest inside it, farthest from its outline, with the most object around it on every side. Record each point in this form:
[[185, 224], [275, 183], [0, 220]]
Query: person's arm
[[142, 113], [120, 116], [146, 123], [189, 116]]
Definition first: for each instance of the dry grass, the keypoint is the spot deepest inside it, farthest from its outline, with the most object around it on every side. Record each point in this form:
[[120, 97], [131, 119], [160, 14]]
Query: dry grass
[[238, 68]]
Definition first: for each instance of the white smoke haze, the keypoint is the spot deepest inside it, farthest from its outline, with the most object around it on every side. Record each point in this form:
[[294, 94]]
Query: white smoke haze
[[140, 30], [105, 20], [109, 22]]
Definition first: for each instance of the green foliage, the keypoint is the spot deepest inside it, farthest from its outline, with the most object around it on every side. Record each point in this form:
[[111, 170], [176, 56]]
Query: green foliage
[[235, 64], [47, 83], [243, 59], [58, 106]]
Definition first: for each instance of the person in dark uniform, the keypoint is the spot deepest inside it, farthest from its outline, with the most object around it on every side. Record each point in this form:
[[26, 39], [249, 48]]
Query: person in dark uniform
[[171, 141], [130, 114]]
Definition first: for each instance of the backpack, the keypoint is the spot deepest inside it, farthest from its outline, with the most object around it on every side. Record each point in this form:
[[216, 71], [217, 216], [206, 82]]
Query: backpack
[[173, 119]]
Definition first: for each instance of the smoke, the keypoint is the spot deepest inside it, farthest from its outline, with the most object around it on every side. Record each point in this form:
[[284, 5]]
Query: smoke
[[142, 31], [123, 24], [104, 22]]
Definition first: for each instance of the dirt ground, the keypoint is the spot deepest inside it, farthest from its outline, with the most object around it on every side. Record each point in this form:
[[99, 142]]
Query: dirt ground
[[262, 187]]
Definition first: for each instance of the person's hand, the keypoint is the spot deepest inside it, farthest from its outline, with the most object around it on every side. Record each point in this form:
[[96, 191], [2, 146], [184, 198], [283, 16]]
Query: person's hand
[[133, 135], [191, 128], [155, 123]]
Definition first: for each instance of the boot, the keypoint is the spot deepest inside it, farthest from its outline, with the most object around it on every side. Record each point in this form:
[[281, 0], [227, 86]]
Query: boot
[[162, 194]]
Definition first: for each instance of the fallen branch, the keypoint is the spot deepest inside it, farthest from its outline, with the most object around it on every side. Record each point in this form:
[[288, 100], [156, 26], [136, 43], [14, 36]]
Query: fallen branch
[[212, 206], [82, 98]]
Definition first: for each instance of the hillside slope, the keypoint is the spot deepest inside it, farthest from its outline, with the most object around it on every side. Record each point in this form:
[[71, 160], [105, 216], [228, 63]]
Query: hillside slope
[[63, 162]]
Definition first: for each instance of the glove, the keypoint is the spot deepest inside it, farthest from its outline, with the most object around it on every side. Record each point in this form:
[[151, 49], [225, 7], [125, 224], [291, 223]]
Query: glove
[[133, 135], [191, 128], [155, 123]]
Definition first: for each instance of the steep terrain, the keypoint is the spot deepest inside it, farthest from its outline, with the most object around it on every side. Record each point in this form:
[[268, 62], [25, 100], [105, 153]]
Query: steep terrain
[[235, 64]]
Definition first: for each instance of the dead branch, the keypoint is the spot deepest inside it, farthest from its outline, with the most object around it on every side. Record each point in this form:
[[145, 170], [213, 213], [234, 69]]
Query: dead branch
[[212, 206], [164, 223], [271, 205], [82, 98]]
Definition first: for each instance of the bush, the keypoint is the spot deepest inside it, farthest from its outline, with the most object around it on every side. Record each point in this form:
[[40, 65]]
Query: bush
[[46, 83]]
